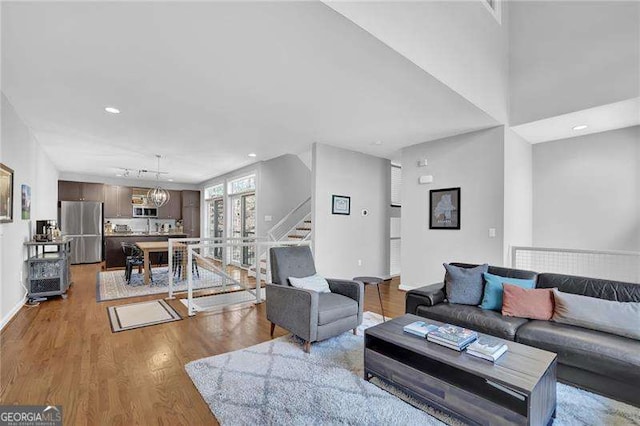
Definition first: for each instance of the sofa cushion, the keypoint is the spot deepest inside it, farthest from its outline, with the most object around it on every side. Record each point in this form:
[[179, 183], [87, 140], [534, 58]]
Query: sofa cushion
[[489, 322], [592, 287], [602, 353], [502, 271], [492, 298], [332, 307], [621, 318], [464, 285], [534, 303]]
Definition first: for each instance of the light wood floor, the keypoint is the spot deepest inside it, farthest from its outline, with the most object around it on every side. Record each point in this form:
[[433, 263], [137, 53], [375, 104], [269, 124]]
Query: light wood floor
[[64, 353]]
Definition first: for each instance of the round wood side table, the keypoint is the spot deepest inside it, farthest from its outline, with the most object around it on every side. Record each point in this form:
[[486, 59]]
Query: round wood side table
[[373, 281]]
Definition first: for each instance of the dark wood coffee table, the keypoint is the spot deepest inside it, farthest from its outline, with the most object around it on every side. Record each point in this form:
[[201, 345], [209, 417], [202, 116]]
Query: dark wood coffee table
[[519, 388]]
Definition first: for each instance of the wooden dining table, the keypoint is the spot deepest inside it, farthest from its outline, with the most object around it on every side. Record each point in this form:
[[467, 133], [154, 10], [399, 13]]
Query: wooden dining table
[[149, 247]]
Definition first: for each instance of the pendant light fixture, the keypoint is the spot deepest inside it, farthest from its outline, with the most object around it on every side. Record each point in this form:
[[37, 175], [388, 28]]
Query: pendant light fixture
[[158, 196]]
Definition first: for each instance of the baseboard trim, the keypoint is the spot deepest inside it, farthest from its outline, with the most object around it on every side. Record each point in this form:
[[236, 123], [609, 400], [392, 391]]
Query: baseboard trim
[[12, 313], [404, 287]]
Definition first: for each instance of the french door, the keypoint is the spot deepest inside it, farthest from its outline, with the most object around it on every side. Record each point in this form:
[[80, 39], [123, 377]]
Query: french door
[[243, 225], [217, 224]]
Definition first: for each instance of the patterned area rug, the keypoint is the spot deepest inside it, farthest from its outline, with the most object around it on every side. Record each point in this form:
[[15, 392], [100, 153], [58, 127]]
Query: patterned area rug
[[277, 383], [111, 285]]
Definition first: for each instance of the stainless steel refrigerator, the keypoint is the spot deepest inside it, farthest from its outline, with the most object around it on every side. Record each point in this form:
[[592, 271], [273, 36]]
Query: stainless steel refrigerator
[[82, 221]]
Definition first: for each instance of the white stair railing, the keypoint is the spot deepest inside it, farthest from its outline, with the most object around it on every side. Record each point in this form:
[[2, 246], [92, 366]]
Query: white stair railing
[[289, 222], [178, 245], [194, 252], [604, 264]]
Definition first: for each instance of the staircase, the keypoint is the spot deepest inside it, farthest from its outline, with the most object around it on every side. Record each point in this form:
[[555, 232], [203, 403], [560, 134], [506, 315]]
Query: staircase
[[295, 226]]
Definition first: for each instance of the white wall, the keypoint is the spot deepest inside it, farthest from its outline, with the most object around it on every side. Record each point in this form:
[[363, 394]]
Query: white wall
[[282, 183], [567, 56], [340, 241], [458, 42], [21, 152], [473, 162], [586, 192], [518, 193]]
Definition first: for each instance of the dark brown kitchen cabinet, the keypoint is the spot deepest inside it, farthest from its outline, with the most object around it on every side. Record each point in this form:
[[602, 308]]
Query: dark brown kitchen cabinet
[[190, 199], [173, 209], [117, 201], [191, 221], [80, 191]]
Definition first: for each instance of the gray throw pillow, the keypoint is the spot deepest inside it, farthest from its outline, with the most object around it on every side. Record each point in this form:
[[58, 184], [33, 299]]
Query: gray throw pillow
[[465, 286], [621, 318]]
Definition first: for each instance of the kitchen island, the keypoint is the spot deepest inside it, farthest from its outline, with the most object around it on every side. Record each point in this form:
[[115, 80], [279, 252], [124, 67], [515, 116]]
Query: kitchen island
[[115, 257]]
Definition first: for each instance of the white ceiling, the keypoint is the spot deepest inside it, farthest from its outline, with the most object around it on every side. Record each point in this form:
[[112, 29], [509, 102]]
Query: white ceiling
[[204, 84], [599, 119]]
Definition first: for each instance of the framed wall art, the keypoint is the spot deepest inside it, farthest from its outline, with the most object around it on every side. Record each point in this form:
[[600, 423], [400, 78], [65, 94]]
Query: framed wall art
[[25, 192], [341, 204], [444, 208], [6, 194]]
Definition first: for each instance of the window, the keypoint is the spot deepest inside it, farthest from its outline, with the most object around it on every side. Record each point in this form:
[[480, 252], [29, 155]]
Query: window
[[396, 185], [244, 184], [214, 192]]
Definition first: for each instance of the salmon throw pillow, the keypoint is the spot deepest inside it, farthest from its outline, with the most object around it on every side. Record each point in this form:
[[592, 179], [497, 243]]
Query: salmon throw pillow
[[536, 303]]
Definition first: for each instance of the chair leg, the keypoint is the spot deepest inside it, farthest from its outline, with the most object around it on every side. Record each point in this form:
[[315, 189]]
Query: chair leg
[[273, 328], [307, 347]]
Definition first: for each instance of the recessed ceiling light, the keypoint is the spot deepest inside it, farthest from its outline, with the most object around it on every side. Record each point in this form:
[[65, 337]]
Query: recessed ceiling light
[[377, 143], [170, 180], [252, 155], [580, 127], [119, 175], [112, 110]]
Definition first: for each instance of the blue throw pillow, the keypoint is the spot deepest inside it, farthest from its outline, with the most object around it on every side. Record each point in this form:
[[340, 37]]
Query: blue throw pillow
[[493, 291]]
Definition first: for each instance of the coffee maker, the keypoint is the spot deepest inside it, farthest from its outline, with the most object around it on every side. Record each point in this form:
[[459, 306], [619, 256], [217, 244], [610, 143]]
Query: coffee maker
[[44, 229]]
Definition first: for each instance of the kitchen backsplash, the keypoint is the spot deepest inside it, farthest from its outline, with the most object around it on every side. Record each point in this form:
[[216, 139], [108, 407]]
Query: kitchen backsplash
[[140, 224]]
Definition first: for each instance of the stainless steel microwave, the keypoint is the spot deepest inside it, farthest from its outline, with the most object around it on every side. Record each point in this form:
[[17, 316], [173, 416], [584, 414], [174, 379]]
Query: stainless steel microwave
[[139, 211]]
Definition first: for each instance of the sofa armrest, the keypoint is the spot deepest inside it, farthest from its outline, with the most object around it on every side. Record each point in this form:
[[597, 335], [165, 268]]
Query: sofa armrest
[[351, 289], [429, 295], [293, 309]]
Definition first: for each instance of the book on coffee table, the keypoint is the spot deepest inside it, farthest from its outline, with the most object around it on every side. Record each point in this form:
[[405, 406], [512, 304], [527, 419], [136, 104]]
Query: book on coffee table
[[488, 348], [452, 336], [420, 328]]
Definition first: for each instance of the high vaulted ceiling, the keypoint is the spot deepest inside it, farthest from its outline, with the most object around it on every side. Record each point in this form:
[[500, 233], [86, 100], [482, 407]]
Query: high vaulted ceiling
[[205, 84]]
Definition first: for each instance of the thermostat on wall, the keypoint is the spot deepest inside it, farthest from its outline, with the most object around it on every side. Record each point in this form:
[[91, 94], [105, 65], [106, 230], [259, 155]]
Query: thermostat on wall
[[365, 212]]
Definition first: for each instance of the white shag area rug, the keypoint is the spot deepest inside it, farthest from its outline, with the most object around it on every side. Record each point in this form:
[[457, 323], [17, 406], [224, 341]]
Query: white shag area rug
[[213, 302], [278, 383]]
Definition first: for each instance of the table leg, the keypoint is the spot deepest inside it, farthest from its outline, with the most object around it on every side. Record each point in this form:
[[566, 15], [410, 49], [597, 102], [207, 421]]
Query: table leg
[[380, 298], [146, 268]]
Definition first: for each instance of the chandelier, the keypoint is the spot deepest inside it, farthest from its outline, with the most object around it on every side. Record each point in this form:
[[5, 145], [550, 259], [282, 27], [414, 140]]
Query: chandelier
[[158, 196]]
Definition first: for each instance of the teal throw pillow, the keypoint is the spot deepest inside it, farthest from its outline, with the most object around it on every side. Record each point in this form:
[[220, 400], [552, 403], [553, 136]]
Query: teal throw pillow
[[492, 298]]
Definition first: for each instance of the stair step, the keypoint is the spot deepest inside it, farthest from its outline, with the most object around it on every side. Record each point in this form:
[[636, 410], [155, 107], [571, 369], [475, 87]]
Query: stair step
[[303, 229], [296, 237], [307, 221]]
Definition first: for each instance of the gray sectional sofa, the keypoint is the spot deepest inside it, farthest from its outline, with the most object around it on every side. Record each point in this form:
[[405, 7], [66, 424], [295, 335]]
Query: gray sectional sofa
[[594, 360]]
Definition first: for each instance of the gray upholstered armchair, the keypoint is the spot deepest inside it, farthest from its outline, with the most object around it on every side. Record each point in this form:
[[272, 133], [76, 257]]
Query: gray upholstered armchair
[[310, 315]]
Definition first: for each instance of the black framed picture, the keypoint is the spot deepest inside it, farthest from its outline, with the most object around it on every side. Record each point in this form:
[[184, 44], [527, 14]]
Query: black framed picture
[[6, 194], [341, 204], [444, 208]]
